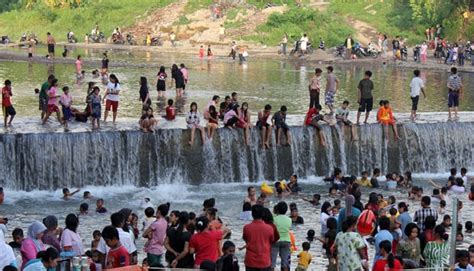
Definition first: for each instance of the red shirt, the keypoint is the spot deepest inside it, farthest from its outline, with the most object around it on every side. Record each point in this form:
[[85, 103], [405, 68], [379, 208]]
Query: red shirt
[[206, 246], [6, 94], [380, 266], [170, 113], [259, 238], [309, 115], [118, 257]]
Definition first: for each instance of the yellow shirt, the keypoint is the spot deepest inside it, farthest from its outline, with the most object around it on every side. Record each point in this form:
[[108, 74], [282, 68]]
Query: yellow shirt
[[304, 259], [364, 182]]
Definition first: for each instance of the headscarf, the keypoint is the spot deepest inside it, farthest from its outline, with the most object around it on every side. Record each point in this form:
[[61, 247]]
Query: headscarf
[[6, 253], [51, 222], [33, 230], [350, 200]]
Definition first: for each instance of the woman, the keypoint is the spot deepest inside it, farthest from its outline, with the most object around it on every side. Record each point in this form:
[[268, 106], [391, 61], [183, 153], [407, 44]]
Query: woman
[[436, 253], [173, 219], [325, 215], [424, 53], [268, 219], [147, 121], [178, 78], [244, 123], [32, 244], [213, 122], [127, 226], [45, 260], [155, 247], [388, 259], [193, 120], [6, 252], [71, 242], [384, 46], [112, 97], [52, 233], [409, 247], [144, 94], [161, 82], [205, 243], [177, 244]]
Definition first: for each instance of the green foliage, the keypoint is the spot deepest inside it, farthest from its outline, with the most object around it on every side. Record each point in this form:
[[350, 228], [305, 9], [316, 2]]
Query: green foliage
[[195, 5], [183, 20], [297, 21], [262, 3]]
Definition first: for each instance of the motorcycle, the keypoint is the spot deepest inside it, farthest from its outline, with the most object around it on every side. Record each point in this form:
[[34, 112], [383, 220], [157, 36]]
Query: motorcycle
[[297, 49], [155, 41], [5, 40], [131, 39], [404, 53], [70, 37], [23, 38], [340, 51], [94, 38], [117, 38], [416, 53]]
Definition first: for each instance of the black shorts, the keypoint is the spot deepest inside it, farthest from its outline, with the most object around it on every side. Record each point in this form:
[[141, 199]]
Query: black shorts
[[9, 110], [283, 126], [231, 122], [260, 125], [414, 103], [366, 105], [51, 48]]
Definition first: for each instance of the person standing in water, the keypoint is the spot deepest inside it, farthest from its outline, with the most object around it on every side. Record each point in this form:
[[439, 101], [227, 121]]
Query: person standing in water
[[105, 66], [7, 107], [43, 96], [161, 82], [185, 73], [332, 84], [416, 86], [177, 76], [454, 89], [366, 100], [315, 88], [112, 97], [51, 43]]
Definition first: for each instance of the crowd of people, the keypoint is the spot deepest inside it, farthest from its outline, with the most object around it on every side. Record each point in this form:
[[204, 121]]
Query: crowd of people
[[183, 239]]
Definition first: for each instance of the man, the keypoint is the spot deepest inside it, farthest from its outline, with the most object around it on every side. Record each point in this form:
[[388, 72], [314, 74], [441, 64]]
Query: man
[[366, 100], [404, 218], [51, 43], [350, 247], [259, 238], [282, 247], [424, 212], [251, 196], [43, 95], [383, 235], [348, 43], [332, 84], [315, 88], [454, 89], [416, 86], [221, 32]]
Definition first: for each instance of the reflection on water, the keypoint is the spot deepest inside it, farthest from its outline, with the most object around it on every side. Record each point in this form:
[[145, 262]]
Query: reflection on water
[[258, 82]]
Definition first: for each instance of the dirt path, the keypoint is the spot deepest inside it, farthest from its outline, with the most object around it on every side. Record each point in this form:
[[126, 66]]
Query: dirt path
[[365, 33]]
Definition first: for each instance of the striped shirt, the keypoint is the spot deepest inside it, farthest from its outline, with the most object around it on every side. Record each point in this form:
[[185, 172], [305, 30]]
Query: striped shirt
[[454, 82], [422, 214]]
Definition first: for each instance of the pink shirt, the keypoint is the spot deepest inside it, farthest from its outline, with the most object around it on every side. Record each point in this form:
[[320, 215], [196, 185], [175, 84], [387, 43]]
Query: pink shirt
[[156, 245], [29, 250], [52, 93], [424, 49], [72, 239], [230, 114], [185, 73], [78, 65], [66, 99]]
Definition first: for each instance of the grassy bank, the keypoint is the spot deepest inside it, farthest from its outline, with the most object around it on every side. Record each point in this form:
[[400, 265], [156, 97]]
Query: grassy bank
[[297, 21], [107, 13]]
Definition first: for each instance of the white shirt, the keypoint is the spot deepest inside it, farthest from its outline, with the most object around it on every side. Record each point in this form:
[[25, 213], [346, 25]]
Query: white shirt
[[125, 239], [114, 91], [416, 85], [324, 220], [457, 189]]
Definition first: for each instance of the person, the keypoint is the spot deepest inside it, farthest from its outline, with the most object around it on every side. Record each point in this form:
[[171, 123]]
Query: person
[[304, 258], [79, 67], [364, 179], [416, 86], [52, 233], [67, 194], [282, 247], [332, 84], [296, 219], [51, 43], [144, 94], [388, 259], [304, 44], [462, 261], [52, 101], [251, 195], [312, 118], [233, 50], [221, 32], [348, 210], [170, 111], [44, 260], [18, 237], [156, 233], [178, 77], [117, 256], [213, 122], [264, 127], [32, 244], [404, 216], [43, 95], [259, 237], [185, 73], [6, 252], [284, 43], [231, 117], [147, 121], [455, 88], [112, 97], [228, 261], [66, 102], [279, 121], [96, 236], [201, 51], [386, 118], [349, 43], [205, 243], [315, 88], [100, 206], [424, 52], [293, 185], [193, 120], [209, 52], [7, 107], [173, 39], [161, 81], [365, 99], [105, 65], [95, 108], [436, 253], [409, 248], [350, 247], [425, 211], [245, 121], [71, 242], [382, 235]]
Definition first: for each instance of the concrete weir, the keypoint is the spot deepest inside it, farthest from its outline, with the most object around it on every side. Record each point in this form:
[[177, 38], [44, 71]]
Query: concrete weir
[[42, 159]]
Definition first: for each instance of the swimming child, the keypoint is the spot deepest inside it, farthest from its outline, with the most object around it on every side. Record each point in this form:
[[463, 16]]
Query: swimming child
[[87, 195], [66, 102], [310, 235], [304, 258], [100, 207], [279, 121], [364, 179], [386, 118], [8, 109], [67, 194], [147, 121], [315, 200], [213, 121], [193, 120]]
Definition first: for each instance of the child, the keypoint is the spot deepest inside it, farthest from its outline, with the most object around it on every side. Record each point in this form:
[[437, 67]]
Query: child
[[329, 239], [462, 261], [386, 118], [67, 194], [95, 104], [95, 265], [442, 207], [279, 121], [296, 219], [310, 235], [87, 195], [263, 125], [209, 51], [213, 121], [147, 121], [391, 183], [66, 102], [315, 200], [446, 222], [52, 100], [228, 261], [79, 67], [246, 214], [468, 226], [201, 52], [374, 183], [8, 109], [304, 258], [96, 235], [170, 111], [83, 209], [313, 116], [18, 237], [149, 218], [193, 119], [30, 51], [118, 255], [364, 179], [100, 207], [342, 114]]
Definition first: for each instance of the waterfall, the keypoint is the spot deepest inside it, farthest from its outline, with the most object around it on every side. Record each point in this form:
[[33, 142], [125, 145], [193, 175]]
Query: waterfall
[[53, 160]]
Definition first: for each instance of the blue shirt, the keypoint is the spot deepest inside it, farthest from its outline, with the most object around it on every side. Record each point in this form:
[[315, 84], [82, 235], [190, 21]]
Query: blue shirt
[[342, 216], [379, 237], [404, 219], [392, 185]]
